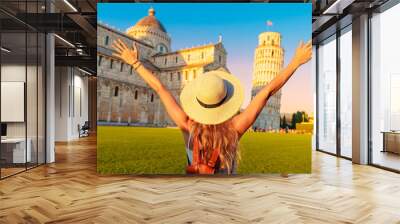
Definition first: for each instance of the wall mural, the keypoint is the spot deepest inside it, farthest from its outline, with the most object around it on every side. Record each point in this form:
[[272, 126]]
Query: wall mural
[[204, 88]]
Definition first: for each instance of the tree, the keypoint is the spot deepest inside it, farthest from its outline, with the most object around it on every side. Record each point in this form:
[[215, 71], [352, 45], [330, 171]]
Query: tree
[[293, 126], [298, 117], [284, 122], [305, 117]]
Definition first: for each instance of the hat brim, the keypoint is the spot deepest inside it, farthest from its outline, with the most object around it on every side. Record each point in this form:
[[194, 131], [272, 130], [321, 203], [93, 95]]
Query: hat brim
[[216, 115]]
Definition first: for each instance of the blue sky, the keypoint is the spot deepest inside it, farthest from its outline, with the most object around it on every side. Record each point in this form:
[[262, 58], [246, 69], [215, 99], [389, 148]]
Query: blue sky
[[192, 24]]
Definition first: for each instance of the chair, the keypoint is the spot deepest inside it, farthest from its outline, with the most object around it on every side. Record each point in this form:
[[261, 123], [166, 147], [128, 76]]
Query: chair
[[84, 130]]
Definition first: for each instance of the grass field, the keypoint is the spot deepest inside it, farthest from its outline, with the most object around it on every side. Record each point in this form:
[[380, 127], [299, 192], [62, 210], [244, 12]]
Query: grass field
[[139, 150]]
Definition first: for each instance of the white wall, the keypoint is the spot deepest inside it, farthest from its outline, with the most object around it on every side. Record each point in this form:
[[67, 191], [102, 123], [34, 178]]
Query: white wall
[[81, 89], [33, 126], [16, 73], [13, 73], [62, 82], [71, 87]]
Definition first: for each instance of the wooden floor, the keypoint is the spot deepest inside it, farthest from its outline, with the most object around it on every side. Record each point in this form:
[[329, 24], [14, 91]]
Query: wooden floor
[[70, 191], [387, 159]]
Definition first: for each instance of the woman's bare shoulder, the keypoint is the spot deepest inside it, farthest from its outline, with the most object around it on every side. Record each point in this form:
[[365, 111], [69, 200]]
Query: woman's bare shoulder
[[236, 124]]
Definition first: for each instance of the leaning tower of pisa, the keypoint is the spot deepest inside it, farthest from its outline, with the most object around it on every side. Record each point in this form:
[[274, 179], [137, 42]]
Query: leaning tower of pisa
[[268, 62]]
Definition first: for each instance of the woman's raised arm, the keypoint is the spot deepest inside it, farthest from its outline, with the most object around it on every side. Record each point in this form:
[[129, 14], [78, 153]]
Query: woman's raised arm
[[131, 57], [244, 120]]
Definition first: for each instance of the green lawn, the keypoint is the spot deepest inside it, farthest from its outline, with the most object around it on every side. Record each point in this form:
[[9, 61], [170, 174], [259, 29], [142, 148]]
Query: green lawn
[[139, 150]]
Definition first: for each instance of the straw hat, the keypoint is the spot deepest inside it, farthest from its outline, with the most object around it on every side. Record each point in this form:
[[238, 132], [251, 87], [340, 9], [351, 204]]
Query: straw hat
[[212, 97]]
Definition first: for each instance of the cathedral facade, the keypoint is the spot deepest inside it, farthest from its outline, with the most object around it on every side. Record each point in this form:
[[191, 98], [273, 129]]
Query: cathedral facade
[[122, 96], [268, 62]]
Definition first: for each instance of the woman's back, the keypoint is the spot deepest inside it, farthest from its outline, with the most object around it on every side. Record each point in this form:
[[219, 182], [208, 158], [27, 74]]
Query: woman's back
[[214, 145]]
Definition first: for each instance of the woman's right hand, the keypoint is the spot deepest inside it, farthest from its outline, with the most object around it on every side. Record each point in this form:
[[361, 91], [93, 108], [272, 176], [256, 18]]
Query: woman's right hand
[[128, 55]]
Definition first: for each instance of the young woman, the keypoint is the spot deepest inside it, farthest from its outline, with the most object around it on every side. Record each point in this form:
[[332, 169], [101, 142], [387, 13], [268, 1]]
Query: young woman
[[208, 115]]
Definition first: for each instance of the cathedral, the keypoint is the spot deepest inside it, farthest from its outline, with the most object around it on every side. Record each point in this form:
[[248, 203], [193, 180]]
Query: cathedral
[[268, 62], [122, 96]]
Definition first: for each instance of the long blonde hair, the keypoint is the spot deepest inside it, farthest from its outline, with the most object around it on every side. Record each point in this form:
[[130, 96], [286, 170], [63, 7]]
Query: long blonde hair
[[222, 136]]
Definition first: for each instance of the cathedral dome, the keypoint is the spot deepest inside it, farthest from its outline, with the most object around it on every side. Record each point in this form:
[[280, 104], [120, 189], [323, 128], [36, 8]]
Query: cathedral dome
[[151, 21], [150, 31]]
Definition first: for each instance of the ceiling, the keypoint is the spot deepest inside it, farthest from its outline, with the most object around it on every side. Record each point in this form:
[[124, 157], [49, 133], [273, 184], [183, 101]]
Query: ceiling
[[228, 1], [331, 15], [74, 21]]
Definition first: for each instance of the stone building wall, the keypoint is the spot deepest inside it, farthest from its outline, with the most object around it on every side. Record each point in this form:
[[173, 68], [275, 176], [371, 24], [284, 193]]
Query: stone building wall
[[123, 96]]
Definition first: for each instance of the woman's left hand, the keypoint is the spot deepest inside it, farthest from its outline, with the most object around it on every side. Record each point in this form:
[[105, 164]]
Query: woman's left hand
[[303, 53]]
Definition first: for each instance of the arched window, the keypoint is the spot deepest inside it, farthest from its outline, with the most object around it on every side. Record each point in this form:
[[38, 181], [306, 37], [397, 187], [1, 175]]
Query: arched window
[[116, 90], [106, 40], [179, 75], [194, 74], [272, 42], [171, 75], [131, 70], [272, 53], [161, 48], [136, 94], [111, 63], [219, 58], [165, 61], [122, 67], [100, 59], [152, 98], [176, 59], [188, 57]]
